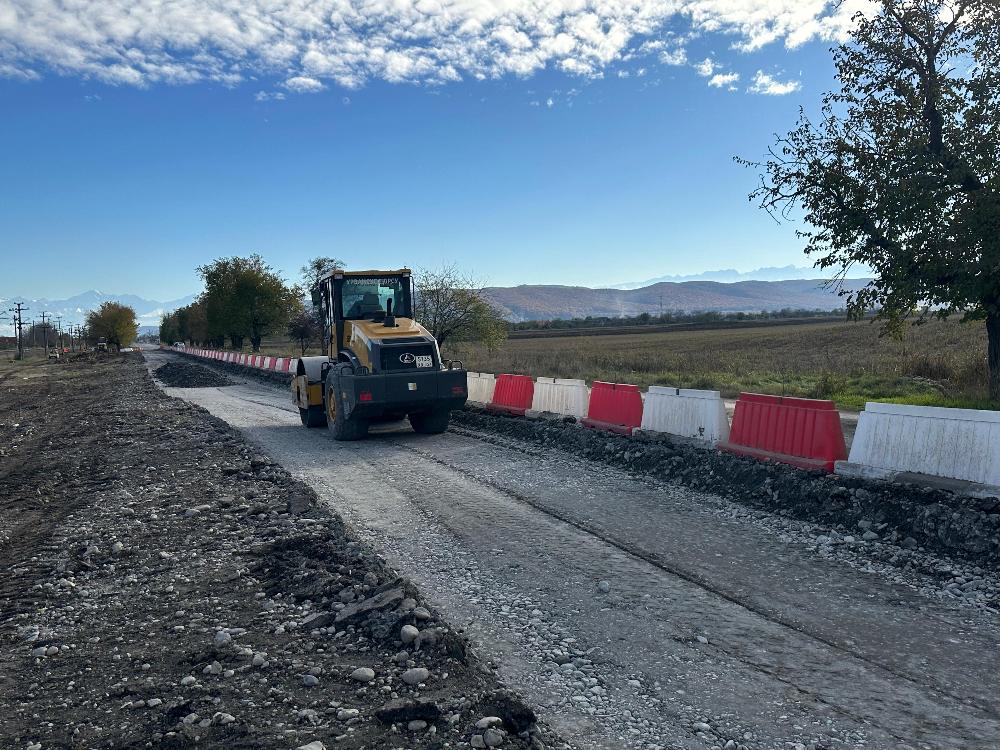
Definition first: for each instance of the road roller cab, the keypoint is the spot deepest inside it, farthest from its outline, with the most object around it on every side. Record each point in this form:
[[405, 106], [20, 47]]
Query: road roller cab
[[380, 364]]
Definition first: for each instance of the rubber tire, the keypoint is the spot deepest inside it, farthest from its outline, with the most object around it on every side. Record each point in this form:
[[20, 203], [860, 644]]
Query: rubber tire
[[340, 428], [314, 416], [431, 422]]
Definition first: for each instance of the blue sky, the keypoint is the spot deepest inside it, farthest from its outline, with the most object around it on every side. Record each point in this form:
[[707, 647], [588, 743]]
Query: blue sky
[[555, 175]]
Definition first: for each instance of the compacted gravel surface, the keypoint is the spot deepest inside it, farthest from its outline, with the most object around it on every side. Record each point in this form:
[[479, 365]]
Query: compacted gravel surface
[[640, 605], [164, 584]]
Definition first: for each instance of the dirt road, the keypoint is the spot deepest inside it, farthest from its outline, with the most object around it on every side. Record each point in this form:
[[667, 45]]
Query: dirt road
[[645, 615]]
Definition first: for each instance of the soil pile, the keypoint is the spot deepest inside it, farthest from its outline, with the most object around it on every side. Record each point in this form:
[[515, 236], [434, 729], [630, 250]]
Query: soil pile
[[189, 375]]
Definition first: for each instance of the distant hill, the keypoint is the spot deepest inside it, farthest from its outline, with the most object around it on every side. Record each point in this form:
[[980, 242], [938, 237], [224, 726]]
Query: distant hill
[[540, 302]]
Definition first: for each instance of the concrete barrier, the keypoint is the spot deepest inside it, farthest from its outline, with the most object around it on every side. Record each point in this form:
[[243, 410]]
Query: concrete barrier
[[481, 385], [895, 440], [561, 396], [698, 415]]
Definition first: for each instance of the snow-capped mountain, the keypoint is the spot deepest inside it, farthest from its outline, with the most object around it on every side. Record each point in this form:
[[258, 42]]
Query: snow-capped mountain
[[74, 309]]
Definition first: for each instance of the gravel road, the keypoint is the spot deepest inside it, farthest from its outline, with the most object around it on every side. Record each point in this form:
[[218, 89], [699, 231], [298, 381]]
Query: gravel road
[[637, 614]]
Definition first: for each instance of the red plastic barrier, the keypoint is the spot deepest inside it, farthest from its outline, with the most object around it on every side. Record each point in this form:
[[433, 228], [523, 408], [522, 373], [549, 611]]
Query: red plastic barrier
[[803, 432], [512, 395], [616, 407], [282, 365]]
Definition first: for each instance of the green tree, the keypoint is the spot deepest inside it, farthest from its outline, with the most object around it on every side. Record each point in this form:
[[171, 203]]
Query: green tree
[[303, 329], [451, 305], [901, 173], [245, 297], [114, 322], [317, 268]]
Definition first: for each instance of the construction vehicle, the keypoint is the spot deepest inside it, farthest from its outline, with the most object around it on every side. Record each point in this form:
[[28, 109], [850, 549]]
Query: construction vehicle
[[380, 364], [102, 344]]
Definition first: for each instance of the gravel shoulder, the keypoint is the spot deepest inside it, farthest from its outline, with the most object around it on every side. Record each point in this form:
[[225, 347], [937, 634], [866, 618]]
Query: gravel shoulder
[[641, 611], [165, 584]]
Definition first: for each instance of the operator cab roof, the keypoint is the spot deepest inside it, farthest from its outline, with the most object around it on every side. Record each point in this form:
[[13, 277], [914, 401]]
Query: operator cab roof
[[340, 273]]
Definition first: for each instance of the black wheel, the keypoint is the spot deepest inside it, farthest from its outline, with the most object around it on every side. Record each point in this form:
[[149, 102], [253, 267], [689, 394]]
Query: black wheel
[[431, 422], [341, 427], [314, 416]]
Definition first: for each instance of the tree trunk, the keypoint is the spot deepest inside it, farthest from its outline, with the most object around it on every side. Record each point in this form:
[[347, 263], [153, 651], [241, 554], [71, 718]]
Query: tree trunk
[[993, 354], [255, 343]]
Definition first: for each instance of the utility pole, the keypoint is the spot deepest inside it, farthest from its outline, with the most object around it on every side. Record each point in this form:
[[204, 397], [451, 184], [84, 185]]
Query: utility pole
[[59, 334], [45, 333], [18, 310]]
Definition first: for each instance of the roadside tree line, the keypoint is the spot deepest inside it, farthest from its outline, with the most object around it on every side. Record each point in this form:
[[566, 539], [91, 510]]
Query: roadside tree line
[[245, 300]]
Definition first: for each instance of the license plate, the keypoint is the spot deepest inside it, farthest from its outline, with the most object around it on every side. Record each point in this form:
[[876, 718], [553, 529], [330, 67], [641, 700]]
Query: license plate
[[424, 360]]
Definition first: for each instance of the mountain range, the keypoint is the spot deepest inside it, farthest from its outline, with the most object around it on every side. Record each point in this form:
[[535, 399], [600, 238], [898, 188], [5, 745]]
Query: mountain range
[[74, 309], [528, 302], [731, 275], [537, 302]]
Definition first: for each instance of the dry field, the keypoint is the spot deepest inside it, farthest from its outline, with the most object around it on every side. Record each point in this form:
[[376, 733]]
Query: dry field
[[940, 363]]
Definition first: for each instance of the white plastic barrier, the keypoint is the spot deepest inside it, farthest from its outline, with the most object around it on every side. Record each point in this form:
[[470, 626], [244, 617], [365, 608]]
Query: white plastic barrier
[[561, 396], [481, 385], [954, 443], [699, 415], [266, 365]]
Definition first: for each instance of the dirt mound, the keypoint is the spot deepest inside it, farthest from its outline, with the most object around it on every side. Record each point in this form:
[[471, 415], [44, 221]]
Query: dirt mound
[[190, 375]]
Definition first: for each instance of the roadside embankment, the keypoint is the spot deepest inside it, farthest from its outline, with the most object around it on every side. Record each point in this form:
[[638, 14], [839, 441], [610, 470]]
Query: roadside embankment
[[167, 586], [907, 515]]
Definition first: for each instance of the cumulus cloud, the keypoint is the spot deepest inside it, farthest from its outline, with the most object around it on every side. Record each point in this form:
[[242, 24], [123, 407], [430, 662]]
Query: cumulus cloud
[[303, 84], [770, 86], [724, 80], [313, 43]]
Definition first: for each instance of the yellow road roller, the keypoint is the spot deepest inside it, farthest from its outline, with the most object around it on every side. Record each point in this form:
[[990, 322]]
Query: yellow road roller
[[380, 364]]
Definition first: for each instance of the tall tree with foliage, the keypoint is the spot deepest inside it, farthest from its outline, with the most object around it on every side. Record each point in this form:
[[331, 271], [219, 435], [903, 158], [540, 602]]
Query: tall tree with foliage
[[113, 322], [317, 268], [901, 173], [245, 297], [451, 305]]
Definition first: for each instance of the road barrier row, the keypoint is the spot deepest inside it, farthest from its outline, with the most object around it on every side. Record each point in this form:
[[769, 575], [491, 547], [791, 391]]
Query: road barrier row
[[255, 361], [893, 441]]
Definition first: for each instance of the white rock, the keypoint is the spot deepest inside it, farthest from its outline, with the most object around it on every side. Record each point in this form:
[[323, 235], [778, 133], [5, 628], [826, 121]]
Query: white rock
[[310, 680], [489, 721], [363, 674], [222, 638], [604, 587], [408, 634], [417, 725], [493, 737], [415, 676], [314, 745], [189, 680], [346, 714], [477, 741]]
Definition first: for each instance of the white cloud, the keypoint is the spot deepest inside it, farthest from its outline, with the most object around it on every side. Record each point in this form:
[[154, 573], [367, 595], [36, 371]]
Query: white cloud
[[770, 86], [303, 84], [724, 80], [706, 67], [313, 43], [269, 96]]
